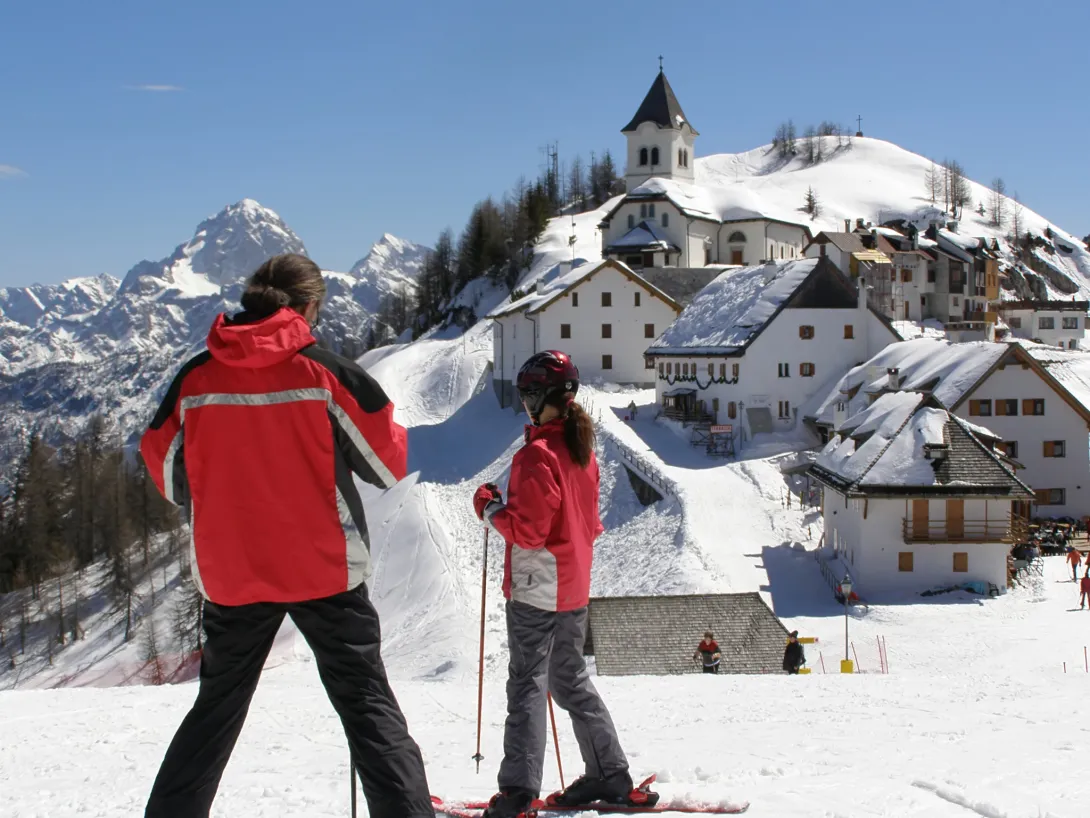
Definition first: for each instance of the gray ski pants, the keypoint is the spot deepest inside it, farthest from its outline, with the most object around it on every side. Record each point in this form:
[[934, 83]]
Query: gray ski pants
[[547, 646]]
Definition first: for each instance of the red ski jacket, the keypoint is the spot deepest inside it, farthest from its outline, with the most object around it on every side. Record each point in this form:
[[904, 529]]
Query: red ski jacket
[[258, 438], [549, 523]]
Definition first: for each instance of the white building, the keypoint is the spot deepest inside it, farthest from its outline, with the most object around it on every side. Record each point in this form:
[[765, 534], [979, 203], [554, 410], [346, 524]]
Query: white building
[[602, 314], [758, 343], [1056, 323], [915, 499], [669, 219], [1043, 425]]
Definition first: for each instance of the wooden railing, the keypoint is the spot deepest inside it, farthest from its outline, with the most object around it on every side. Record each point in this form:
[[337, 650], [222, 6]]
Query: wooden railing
[[1005, 530]]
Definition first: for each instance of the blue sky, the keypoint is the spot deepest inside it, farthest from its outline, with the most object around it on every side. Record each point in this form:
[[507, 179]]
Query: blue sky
[[356, 118]]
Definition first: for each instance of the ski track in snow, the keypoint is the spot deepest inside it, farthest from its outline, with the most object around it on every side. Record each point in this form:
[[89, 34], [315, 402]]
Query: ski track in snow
[[975, 716]]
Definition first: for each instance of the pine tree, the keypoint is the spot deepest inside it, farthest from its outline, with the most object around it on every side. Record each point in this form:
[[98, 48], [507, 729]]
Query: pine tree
[[576, 184], [808, 152], [998, 203], [153, 660], [611, 182], [790, 138], [812, 206], [1017, 219]]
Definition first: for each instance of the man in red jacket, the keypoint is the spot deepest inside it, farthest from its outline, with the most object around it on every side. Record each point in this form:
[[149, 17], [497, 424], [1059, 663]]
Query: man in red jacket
[[1084, 589], [259, 438]]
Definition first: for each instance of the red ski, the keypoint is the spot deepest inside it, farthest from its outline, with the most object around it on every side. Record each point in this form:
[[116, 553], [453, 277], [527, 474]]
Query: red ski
[[473, 809]]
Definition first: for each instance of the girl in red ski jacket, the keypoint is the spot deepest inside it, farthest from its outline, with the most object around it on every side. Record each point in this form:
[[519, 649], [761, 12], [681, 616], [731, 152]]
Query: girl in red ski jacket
[[549, 523], [259, 438]]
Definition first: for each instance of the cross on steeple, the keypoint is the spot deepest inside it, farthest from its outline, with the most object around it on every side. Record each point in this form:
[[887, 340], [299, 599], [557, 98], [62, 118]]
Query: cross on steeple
[[660, 63]]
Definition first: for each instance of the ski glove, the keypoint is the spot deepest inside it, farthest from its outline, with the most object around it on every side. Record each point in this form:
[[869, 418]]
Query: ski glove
[[487, 493]]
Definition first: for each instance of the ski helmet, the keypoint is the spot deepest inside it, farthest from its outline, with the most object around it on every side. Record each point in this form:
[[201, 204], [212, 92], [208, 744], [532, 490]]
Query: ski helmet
[[544, 375]]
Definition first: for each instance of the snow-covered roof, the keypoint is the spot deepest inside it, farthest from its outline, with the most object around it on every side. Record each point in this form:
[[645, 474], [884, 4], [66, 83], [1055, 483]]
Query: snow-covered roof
[[645, 235], [946, 369], [1070, 367], [730, 311], [718, 204], [889, 450], [556, 282]]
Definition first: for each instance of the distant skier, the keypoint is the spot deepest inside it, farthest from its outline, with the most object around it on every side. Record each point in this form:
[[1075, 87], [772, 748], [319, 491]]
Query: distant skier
[[1084, 589], [549, 524], [632, 409], [793, 657], [258, 439], [708, 652], [1075, 558]]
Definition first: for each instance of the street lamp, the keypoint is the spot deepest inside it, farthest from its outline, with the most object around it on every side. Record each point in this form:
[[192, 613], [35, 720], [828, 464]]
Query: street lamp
[[846, 590]]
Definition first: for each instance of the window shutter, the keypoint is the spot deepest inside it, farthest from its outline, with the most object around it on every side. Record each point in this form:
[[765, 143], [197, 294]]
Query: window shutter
[[1040, 496], [904, 561], [1001, 407], [974, 407], [1027, 406], [961, 562], [1049, 449]]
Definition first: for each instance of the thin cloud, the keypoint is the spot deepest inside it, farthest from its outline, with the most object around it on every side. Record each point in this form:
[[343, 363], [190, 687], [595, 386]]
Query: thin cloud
[[155, 88], [11, 172]]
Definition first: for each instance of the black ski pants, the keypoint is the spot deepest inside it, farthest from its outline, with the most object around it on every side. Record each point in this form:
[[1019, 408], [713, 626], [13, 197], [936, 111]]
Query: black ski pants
[[343, 631]]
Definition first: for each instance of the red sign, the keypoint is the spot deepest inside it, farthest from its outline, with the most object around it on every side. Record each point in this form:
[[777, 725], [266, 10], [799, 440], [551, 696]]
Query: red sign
[[722, 430]]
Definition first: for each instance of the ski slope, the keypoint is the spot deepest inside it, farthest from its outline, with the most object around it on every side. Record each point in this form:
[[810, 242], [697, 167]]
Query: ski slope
[[974, 718]]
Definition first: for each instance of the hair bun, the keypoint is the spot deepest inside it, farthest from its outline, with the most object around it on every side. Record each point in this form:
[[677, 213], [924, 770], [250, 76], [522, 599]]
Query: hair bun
[[263, 299]]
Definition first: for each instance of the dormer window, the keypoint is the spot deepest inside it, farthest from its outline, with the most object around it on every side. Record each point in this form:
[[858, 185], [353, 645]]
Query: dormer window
[[631, 220], [654, 156], [643, 156]]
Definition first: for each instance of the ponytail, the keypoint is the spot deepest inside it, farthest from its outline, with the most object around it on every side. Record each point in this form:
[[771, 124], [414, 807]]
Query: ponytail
[[578, 433], [287, 280]]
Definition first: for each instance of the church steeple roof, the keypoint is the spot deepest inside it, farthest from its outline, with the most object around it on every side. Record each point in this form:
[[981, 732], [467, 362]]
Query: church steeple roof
[[661, 107]]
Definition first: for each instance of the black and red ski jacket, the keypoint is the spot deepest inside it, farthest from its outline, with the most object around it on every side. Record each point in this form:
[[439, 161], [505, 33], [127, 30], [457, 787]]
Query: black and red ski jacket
[[258, 437]]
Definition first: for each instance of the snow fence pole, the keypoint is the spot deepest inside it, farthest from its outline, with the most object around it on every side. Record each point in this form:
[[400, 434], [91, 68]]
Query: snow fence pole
[[480, 663], [881, 661], [556, 739], [822, 658], [856, 655], [885, 653]]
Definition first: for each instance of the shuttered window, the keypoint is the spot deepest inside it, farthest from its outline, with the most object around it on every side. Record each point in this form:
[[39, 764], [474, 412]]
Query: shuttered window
[[980, 408], [1006, 407], [1033, 406], [1054, 448], [904, 561], [961, 562]]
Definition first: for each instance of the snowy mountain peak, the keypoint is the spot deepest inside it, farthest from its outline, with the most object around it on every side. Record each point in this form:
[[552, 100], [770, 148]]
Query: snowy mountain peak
[[391, 254], [225, 248]]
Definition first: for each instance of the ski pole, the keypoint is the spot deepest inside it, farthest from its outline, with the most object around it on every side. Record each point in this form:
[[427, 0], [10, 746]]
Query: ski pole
[[480, 664], [352, 775], [556, 739]]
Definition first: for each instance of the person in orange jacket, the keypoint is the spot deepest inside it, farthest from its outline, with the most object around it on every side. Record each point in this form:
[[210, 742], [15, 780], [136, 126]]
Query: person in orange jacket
[[1084, 589], [1075, 558]]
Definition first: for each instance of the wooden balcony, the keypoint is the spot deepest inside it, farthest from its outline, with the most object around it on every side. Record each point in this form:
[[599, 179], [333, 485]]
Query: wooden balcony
[[1004, 530]]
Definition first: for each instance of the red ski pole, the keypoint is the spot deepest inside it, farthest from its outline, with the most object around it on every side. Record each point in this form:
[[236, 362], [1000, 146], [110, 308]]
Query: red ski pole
[[480, 664], [556, 738]]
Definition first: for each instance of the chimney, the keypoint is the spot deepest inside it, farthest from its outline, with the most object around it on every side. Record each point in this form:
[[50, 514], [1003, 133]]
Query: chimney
[[914, 235], [859, 224], [770, 271], [874, 235], [840, 414], [847, 225], [821, 248], [894, 378]]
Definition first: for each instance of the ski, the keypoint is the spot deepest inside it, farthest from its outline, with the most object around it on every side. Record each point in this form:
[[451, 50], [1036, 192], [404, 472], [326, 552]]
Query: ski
[[474, 809]]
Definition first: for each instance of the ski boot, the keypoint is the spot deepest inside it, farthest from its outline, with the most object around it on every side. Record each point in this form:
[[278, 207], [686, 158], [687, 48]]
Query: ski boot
[[587, 790], [513, 803]]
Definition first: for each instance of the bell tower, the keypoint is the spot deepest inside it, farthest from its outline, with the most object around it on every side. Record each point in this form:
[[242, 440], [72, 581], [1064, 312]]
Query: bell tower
[[660, 138]]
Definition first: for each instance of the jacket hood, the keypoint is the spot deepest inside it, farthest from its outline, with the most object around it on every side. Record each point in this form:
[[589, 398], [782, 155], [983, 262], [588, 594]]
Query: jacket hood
[[254, 344], [554, 426]]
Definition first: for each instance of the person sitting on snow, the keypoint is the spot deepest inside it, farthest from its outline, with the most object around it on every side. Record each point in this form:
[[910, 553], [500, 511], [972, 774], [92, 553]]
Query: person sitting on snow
[[793, 657], [708, 651]]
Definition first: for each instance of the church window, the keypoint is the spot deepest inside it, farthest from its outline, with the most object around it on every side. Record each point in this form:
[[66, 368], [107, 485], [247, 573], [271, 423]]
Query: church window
[[643, 156], [737, 235], [686, 157], [781, 251], [631, 220], [643, 211], [654, 156], [665, 219], [681, 157], [651, 210]]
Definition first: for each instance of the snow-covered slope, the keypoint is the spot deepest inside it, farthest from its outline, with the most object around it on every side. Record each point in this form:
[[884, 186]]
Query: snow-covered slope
[[873, 180], [97, 344]]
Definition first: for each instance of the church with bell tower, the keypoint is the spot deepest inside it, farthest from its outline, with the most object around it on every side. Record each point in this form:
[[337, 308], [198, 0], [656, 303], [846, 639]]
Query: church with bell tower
[[668, 219], [660, 137]]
